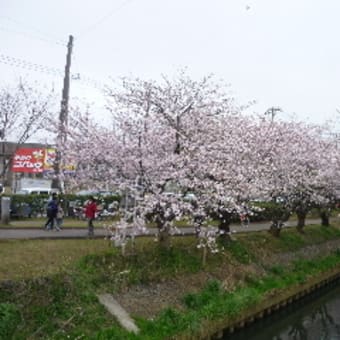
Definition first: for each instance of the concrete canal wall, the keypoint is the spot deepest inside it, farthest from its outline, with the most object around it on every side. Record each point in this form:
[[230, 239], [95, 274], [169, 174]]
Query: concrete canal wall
[[274, 303]]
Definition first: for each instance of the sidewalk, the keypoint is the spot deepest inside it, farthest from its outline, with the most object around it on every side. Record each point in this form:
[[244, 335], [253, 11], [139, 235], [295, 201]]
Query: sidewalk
[[100, 232], [36, 233]]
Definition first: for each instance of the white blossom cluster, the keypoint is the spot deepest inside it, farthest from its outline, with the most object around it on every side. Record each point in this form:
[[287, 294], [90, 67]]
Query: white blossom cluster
[[207, 238]]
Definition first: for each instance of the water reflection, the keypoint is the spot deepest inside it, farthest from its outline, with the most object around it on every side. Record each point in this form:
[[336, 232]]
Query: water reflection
[[316, 317]]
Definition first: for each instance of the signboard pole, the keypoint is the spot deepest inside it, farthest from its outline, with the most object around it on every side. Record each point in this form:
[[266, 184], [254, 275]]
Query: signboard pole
[[5, 209]]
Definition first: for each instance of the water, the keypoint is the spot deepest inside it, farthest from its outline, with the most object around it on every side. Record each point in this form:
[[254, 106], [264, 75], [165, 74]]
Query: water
[[316, 317]]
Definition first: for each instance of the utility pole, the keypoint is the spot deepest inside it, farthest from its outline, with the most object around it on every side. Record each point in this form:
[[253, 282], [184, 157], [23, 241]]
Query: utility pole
[[336, 136], [272, 112], [63, 118]]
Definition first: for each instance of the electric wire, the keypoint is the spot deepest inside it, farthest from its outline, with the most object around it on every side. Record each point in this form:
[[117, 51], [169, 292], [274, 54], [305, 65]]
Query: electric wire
[[77, 76], [42, 35], [27, 35], [97, 23]]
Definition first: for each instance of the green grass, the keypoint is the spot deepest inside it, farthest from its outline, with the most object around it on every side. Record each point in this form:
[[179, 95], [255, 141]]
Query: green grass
[[146, 262], [214, 303], [240, 252], [51, 285], [25, 259], [9, 318], [49, 301]]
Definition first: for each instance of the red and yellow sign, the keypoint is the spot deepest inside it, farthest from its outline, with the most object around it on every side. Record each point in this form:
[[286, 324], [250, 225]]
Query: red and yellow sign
[[50, 157], [37, 160], [29, 160]]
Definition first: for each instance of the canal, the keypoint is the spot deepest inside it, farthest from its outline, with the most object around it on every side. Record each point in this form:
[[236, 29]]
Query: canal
[[315, 317]]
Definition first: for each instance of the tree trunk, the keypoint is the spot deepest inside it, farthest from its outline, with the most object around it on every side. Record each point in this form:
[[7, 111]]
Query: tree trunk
[[224, 227], [301, 215], [198, 221], [275, 228], [324, 219], [164, 237], [204, 256], [123, 248]]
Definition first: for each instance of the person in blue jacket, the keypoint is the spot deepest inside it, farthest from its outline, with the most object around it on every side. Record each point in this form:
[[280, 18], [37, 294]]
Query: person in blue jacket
[[51, 211]]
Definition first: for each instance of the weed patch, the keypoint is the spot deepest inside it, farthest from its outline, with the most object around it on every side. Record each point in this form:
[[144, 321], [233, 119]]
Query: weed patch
[[240, 253]]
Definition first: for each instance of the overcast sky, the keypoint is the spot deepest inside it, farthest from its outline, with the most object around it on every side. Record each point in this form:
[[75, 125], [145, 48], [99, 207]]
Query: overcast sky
[[283, 53]]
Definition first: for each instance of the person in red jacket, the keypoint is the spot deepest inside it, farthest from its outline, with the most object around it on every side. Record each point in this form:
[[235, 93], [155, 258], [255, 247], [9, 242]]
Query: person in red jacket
[[90, 214]]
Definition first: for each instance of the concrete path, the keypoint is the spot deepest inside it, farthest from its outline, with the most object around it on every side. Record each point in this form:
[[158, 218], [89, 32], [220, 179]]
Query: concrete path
[[119, 312], [100, 232]]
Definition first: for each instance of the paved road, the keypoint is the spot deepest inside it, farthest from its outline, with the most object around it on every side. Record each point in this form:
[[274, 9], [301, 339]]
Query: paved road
[[69, 233]]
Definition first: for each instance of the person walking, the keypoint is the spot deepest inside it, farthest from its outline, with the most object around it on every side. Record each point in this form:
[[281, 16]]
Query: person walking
[[244, 217], [60, 215], [51, 211], [90, 214]]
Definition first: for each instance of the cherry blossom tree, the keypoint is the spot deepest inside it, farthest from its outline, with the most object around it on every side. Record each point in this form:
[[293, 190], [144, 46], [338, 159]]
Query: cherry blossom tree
[[221, 170], [192, 135], [24, 111], [94, 150], [296, 169], [158, 121]]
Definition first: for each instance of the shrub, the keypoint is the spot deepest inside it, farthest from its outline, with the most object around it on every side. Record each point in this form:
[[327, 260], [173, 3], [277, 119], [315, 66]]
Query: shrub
[[35, 205]]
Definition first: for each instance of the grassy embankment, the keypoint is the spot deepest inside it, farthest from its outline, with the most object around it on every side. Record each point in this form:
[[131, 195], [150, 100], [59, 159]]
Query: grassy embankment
[[49, 287]]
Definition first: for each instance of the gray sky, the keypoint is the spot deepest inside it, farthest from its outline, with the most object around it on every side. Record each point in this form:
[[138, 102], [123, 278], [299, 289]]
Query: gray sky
[[282, 53]]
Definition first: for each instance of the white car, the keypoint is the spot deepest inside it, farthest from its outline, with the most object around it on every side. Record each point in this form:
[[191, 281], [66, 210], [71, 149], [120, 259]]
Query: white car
[[37, 191]]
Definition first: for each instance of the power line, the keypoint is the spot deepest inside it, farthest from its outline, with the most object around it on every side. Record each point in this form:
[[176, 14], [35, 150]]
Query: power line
[[102, 19], [47, 37], [27, 35], [22, 63]]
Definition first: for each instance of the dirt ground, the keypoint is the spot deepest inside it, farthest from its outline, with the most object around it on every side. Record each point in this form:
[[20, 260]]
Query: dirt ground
[[148, 300]]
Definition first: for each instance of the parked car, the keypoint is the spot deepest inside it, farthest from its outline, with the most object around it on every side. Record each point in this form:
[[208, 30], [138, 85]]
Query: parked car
[[86, 193], [37, 191], [189, 196], [102, 193]]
